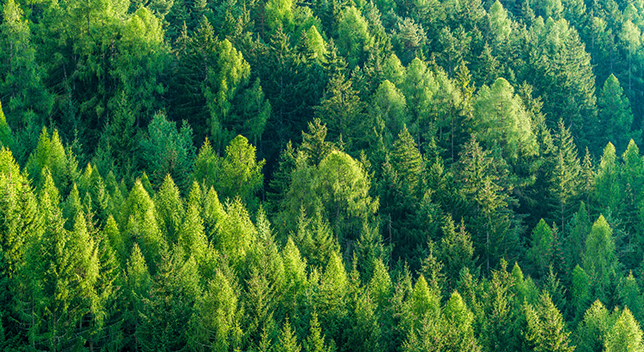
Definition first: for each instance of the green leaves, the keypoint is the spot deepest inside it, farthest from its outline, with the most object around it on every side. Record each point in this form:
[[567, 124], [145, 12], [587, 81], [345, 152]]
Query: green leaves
[[500, 117], [168, 151]]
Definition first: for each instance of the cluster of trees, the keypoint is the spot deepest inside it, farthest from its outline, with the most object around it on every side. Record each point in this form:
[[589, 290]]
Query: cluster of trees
[[342, 175]]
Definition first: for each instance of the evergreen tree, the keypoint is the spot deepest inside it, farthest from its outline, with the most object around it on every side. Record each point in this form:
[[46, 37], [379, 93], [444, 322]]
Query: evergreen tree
[[599, 259], [167, 150], [546, 329], [169, 209], [459, 334], [615, 116], [500, 117], [563, 175], [625, 335]]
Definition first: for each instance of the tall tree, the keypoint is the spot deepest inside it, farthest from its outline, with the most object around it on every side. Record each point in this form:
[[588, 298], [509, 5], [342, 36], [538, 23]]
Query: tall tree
[[615, 115]]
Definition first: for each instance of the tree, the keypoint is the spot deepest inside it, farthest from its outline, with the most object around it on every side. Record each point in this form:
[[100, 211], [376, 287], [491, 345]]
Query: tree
[[607, 183], [407, 162], [171, 303], [315, 340], [354, 39], [500, 27], [459, 334], [341, 110], [388, 109], [331, 298], [579, 228], [170, 209], [593, 329], [480, 179], [455, 250], [630, 296], [214, 90], [562, 75], [541, 250], [6, 139], [600, 260], [625, 335], [500, 117], [288, 340], [580, 292], [615, 115], [138, 224], [241, 173], [563, 175], [217, 318], [51, 154], [546, 329], [22, 90], [167, 150]]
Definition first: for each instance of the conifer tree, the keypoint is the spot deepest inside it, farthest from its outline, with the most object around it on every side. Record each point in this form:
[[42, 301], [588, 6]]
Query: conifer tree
[[615, 116], [500, 118], [22, 87], [481, 180], [459, 334], [216, 322], [546, 329], [563, 175], [630, 296], [241, 172], [341, 110], [625, 335], [599, 259], [580, 292], [592, 331], [172, 301], [579, 228], [138, 224], [138, 284], [167, 150], [169, 209], [6, 138], [540, 253]]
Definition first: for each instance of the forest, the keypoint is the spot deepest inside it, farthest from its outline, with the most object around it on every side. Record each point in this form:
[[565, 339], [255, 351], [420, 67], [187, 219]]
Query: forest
[[321, 175]]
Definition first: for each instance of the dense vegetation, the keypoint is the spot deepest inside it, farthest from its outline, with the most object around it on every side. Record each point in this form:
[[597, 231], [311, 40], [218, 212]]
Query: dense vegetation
[[323, 175]]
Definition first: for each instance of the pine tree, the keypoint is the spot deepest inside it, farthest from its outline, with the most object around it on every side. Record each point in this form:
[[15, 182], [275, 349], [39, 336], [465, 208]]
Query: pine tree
[[630, 296], [540, 253], [456, 250], [288, 339], [615, 116], [167, 150], [407, 162], [241, 174], [599, 259], [341, 110], [216, 322], [22, 87], [314, 143], [579, 228], [480, 180], [169, 209], [501, 119], [593, 329], [6, 138], [138, 284], [563, 175], [459, 334], [172, 300], [580, 292], [625, 335], [50, 153], [138, 224], [546, 329]]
